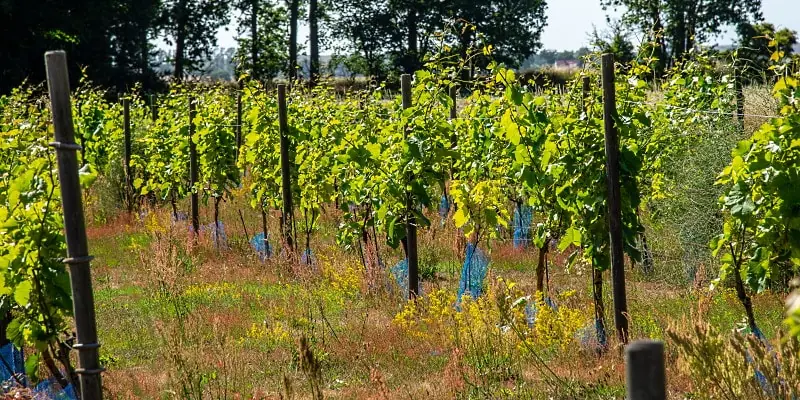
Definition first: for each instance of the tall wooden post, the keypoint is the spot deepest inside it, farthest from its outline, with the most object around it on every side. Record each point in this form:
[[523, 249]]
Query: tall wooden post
[[238, 123], [193, 170], [78, 257], [154, 107], [126, 124], [587, 92], [286, 178], [614, 200], [411, 220], [739, 88], [453, 114]]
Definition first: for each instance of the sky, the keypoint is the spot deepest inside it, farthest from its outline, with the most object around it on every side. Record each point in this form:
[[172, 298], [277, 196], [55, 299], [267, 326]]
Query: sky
[[569, 23]]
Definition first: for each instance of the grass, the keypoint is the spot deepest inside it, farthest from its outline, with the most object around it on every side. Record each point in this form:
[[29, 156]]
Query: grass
[[184, 320], [242, 320]]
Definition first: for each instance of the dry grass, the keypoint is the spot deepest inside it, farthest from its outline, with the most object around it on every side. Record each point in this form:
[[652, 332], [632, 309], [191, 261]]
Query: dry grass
[[239, 335]]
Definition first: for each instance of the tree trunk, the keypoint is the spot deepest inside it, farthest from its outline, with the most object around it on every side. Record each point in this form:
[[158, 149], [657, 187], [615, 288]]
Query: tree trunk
[[313, 41], [50, 363], [265, 229], [254, 39], [465, 40], [293, 17], [180, 40], [413, 49], [216, 220], [540, 267], [599, 309], [691, 22], [174, 203], [145, 61], [741, 293], [678, 32]]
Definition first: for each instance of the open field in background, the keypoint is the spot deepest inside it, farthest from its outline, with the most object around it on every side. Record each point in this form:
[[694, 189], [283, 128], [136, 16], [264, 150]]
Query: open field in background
[[193, 321]]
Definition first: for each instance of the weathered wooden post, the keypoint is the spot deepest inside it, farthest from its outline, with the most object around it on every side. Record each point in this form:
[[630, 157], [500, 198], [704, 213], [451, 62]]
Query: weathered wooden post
[[453, 114], [286, 182], [193, 171], [126, 125], [587, 91], [78, 257], [645, 374], [739, 88], [614, 198], [411, 221], [154, 107], [238, 123]]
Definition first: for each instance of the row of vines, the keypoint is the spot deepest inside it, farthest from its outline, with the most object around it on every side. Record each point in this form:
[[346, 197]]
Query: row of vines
[[507, 145]]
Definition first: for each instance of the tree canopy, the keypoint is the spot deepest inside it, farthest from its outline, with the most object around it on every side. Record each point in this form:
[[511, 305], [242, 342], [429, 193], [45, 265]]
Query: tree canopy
[[677, 25]]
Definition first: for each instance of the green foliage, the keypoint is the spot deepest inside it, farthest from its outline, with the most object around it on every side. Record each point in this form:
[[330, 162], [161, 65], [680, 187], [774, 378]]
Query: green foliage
[[268, 46], [162, 165], [216, 143], [260, 153], [761, 235], [34, 284], [760, 46], [615, 42]]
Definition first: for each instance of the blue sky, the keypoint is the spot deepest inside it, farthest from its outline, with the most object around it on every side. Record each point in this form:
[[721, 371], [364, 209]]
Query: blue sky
[[569, 22]]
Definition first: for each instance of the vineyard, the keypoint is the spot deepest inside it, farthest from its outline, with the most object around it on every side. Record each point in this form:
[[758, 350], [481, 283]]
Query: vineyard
[[487, 238]]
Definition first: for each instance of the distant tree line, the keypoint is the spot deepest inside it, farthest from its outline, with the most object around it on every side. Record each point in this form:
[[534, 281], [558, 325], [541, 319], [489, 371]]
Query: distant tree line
[[114, 41]]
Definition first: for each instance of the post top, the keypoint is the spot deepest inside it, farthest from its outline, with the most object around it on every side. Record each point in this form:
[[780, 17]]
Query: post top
[[644, 345]]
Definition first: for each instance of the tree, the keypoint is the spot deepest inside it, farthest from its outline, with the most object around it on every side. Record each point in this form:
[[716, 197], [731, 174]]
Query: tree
[[191, 25], [313, 40], [676, 25], [130, 34], [614, 41], [294, 16], [512, 27], [757, 43], [403, 30], [266, 56], [110, 42], [367, 28]]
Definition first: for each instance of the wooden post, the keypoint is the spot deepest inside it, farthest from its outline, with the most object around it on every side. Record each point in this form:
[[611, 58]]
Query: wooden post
[[193, 170], [737, 83], [411, 221], [587, 92], [154, 107], [645, 375], [453, 114], [78, 257], [126, 124], [286, 182], [238, 123], [614, 200]]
